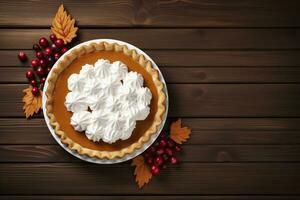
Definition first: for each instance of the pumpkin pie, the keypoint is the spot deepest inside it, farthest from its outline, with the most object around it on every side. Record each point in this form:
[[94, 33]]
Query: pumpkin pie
[[105, 100]]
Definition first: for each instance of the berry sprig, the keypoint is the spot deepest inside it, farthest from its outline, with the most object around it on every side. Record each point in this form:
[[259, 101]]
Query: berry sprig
[[47, 53], [161, 153]]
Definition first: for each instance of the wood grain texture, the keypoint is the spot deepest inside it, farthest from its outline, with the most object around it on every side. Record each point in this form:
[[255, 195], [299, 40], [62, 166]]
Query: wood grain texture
[[216, 131], [195, 178], [191, 38], [202, 100], [125, 13], [196, 58], [232, 69], [195, 74], [192, 153]]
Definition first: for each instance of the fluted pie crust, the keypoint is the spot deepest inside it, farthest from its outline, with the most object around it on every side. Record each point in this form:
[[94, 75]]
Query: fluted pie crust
[[104, 46]]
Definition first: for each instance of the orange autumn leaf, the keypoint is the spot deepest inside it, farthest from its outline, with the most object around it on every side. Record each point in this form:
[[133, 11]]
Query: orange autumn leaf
[[179, 134], [63, 25], [142, 172], [32, 104]]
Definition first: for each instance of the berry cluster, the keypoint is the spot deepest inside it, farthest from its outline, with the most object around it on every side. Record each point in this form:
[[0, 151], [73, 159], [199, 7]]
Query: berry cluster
[[160, 153], [46, 55]]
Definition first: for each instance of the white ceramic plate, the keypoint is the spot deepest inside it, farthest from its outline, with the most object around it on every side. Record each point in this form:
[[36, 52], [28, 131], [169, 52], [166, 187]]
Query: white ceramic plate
[[129, 156]]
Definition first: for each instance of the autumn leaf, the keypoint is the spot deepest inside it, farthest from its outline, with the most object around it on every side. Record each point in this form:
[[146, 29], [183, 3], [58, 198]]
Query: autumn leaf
[[32, 104], [179, 134], [142, 172], [63, 25]]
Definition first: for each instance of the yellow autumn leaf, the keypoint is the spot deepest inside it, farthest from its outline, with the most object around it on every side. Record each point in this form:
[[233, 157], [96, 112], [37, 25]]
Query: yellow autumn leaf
[[142, 171], [32, 104], [63, 25], [178, 133]]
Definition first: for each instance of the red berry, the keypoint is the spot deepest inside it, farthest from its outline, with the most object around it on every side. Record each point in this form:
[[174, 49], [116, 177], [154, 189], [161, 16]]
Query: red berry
[[156, 144], [165, 156], [170, 143], [63, 50], [42, 63], [36, 47], [173, 160], [52, 37], [43, 42], [57, 56], [39, 54], [29, 75], [159, 161], [35, 63], [22, 56], [59, 43], [40, 72], [169, 151], [162, 143], [160, 151], [162, 135], [152, 149], [35, 91], [178, 148], [50, 61], [150, 160], [53, 47], [155, 170], [33, 82], [43, 79], [146, 155], [48, 70], [48, 51]]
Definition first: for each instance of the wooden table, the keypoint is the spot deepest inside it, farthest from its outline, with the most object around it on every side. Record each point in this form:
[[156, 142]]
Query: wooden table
[[232, 69]]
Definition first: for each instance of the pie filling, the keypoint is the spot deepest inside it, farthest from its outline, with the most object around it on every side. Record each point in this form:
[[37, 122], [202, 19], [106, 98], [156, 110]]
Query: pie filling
[[131, 104], [106, 101]]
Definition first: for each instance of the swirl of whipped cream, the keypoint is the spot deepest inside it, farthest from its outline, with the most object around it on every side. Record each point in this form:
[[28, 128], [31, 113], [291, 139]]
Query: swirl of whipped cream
[[111, 86], [133, 80], [128, 95], [76, 101], [119, 69], [102, 68], [128, 128], [144, 96], [87, 71], [76, 83], [113, 130], [107, 100], [96, 129], [93, 87], [114, 104], [80, 120], [97, 101]]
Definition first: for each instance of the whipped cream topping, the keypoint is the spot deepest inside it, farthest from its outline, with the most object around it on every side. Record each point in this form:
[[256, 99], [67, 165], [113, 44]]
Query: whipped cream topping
[[107, 100]]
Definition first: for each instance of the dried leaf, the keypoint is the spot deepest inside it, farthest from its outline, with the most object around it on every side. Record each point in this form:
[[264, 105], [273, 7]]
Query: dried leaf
[[142, 172], [32, 104], [63, 26], [179, 134]]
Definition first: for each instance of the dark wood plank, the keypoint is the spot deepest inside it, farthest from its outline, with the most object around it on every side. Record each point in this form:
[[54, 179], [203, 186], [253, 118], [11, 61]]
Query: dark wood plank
[[217, 131], [191, 153], [148, 197], [196, 58], [195, 74], [169, 38], [125, 13], [202, 100], [211, 100], [195, 178]]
